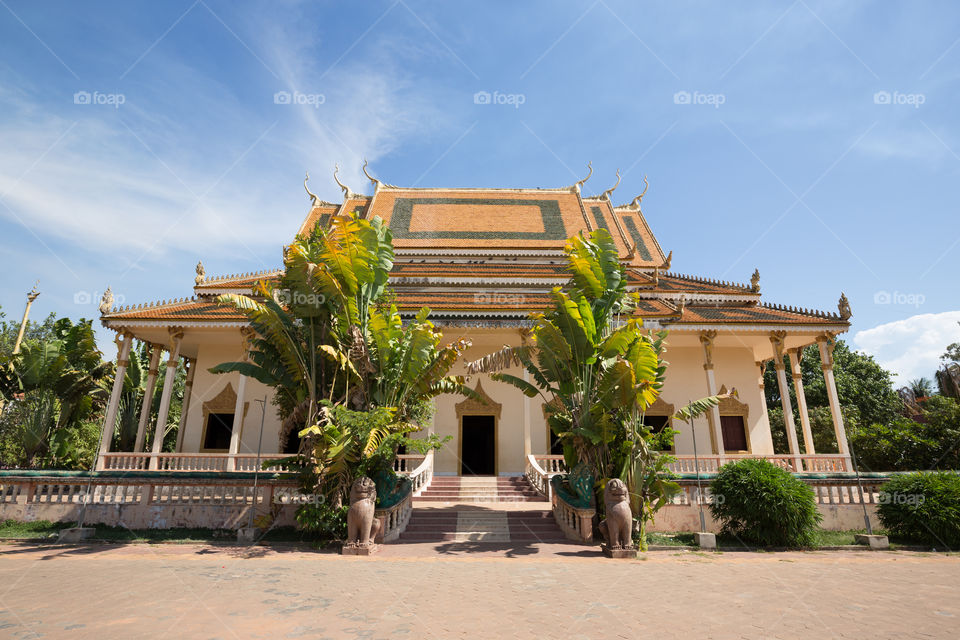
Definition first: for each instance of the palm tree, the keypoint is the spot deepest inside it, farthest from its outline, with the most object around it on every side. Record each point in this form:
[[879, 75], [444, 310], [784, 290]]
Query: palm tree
[[921, 388]]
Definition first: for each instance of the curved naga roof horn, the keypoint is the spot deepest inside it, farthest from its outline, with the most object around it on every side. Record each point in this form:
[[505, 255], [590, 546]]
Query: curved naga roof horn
[[376, 183], [606, 194], [636, 201], [579, 183], [313, 196], [347, 193]]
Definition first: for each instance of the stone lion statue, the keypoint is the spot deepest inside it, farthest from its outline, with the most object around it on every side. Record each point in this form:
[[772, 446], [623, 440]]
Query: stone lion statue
[[362, 526], [618, 527]]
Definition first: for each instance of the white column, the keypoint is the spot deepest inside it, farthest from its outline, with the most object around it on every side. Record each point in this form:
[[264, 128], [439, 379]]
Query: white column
[[147, 398], [527, 444], [776, 339], [165, 395], [713, 415], [825, 343], [764, 414], [795, 355], [191, 366], [237, 427], [110, 418]]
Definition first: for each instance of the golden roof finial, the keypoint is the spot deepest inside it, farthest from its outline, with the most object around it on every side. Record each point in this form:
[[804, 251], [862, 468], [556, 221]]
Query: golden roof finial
[[579, 183], [201, 273], [313, 196], [106, 302], [755, 281], [844, 307], [606, 194], [666, 263], [636, 201]]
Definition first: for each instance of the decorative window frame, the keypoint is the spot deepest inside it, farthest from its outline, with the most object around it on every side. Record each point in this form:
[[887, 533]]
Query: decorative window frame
[[223, 402]]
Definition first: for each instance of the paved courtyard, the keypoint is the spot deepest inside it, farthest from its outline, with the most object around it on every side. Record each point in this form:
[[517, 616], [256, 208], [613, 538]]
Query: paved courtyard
[[471, 591]]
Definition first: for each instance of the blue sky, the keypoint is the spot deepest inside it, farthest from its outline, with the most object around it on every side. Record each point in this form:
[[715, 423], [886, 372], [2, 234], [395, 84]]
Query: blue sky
[[816, 141]]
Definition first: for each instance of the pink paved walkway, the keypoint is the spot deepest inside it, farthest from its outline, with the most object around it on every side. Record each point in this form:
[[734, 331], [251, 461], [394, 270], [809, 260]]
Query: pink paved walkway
[[187, 591]]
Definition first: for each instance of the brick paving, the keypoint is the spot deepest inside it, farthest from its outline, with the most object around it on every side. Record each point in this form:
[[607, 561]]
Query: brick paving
[[471, 590]]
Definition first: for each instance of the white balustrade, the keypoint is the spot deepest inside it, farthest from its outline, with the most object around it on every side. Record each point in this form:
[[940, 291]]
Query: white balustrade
[[122, 461], [422, 474], [819, 463], [540, 469]]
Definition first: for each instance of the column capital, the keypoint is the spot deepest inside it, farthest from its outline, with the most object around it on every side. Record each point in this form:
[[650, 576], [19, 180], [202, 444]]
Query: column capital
[[706, 339], [777, 339]]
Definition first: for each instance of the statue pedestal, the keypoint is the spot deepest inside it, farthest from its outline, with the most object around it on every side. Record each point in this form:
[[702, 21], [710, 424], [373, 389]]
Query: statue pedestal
[[359, 549], [624, 553]]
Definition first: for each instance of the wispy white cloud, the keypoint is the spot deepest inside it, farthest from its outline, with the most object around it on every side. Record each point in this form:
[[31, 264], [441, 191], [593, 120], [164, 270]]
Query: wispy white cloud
[[911, 347]]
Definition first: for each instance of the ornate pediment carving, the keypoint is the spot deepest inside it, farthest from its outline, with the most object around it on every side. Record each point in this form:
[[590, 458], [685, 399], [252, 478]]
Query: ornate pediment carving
[[731, 406], [660, 408], [485, 406]]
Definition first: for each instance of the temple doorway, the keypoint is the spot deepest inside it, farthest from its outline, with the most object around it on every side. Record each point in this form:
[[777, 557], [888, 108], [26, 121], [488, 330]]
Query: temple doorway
[[478, 445]]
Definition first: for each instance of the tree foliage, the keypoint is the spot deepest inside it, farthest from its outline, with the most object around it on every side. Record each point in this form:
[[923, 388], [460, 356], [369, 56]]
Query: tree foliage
[[52, 388]]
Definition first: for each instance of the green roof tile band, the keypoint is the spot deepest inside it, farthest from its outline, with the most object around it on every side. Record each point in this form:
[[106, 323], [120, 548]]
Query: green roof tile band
[[553, 226]]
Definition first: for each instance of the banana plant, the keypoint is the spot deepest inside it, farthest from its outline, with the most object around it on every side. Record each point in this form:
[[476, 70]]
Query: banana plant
[[597, 370]]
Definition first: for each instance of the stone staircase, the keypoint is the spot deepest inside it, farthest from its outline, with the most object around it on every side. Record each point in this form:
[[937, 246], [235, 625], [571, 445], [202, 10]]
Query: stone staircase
[[484, 509], [478, 524], [479, 489]]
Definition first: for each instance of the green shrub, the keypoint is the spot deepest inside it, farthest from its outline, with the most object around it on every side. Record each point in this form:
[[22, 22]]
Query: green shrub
[[765, 505], [325, 522], [923, 507]]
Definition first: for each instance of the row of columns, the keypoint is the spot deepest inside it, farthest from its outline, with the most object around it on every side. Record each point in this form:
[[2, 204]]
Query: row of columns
[[825, 343], [124, 342]]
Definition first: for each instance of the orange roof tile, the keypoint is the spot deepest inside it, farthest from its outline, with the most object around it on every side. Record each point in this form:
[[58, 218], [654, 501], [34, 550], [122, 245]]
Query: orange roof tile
[[178, 310], [754, 314]]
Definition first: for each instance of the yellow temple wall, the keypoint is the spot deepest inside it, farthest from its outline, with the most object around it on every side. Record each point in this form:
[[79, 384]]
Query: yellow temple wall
[[733, 367]]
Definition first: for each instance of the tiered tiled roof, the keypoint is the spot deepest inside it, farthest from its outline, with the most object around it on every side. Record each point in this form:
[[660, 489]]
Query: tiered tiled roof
[[481, 253], [184, 309], [236, 281]]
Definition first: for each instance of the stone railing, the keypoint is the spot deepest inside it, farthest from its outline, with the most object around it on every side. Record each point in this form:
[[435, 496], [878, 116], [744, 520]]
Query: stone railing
[[393, 521], [551, 463], [819, 463], [575, 522], [147, 500], [421, 476], [407, 462], [837, 496], [125, 461], [539, 471]]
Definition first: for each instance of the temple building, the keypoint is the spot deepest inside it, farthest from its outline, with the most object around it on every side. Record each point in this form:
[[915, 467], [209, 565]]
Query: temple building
[[482, 260]]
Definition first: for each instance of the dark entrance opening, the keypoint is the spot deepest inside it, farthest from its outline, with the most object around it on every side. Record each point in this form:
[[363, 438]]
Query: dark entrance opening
[[478, 449], [219, 430], [556, 446]]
